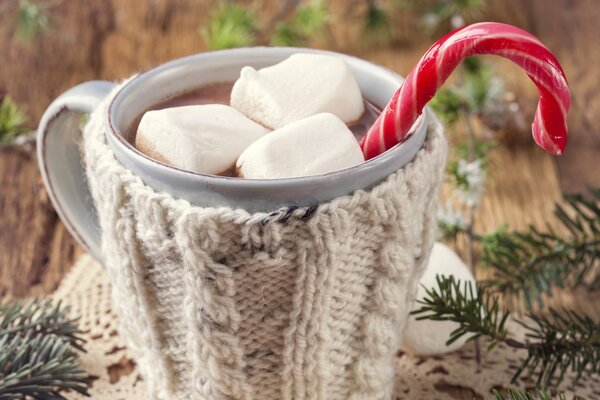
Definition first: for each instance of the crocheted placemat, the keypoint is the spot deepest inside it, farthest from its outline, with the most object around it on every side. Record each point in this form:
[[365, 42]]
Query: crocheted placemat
[[86, 289]]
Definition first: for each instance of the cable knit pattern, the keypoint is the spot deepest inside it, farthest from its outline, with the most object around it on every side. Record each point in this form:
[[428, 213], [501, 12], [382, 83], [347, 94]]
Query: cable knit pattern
[[301, 303]]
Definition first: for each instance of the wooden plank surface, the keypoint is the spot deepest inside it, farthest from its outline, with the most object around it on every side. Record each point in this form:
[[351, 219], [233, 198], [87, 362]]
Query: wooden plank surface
[[122, 37], [111, 39]]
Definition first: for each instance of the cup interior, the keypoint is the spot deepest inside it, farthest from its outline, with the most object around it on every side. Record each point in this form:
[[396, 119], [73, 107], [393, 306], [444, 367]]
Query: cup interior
[[377, 85]]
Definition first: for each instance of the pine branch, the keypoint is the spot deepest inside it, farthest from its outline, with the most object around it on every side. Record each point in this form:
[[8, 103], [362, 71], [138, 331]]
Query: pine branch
[[231, 25], [37, 359], [555, 344], [518, 394], [12, 120], [308, 22], [39, 317], [39, 366], [311, 18], [529, 264], [377, 26], [475, 312], [445, 14], [561, 342], [32, 19], [286, 35]]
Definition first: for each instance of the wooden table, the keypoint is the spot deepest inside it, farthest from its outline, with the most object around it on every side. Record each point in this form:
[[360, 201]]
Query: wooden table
[[111, 39]]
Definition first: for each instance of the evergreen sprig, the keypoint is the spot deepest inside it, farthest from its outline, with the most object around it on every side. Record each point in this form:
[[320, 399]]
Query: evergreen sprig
[[32, 19], [518, 394], [530, 264], [43, 317], [476, 313], [448, 104], [377, 24], [555, 344], [37, 357], [231, 25], [309, 21], [478, 92], [561, 342], [437, 14], [12, 120]]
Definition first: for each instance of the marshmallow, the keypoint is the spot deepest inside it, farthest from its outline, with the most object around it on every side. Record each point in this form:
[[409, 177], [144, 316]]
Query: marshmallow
[[312, 146], [201, 138], [296, 88], [427, 337]]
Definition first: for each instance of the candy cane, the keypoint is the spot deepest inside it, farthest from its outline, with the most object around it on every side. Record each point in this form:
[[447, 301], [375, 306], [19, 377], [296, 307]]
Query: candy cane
[[549, 125]]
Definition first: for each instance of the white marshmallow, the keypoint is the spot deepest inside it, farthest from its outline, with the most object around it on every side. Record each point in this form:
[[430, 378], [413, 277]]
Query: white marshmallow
[[312, 146], [201, 138], [298, 87], [427, 337]]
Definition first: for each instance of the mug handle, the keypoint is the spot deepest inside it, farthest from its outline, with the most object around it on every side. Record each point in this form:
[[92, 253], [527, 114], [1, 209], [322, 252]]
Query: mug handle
[[60, 161]]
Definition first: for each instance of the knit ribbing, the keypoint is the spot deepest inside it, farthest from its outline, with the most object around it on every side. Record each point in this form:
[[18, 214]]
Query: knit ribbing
[[297, 304]]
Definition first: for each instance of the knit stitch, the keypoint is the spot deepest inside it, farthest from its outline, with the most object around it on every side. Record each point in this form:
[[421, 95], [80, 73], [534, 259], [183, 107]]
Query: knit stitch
[[301, 303]]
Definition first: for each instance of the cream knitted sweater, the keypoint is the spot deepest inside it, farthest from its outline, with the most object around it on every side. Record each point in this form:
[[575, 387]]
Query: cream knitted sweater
[[300, 303]]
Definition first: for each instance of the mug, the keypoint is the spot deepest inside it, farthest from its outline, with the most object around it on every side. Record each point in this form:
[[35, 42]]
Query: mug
[[59, 133], [232, 288]]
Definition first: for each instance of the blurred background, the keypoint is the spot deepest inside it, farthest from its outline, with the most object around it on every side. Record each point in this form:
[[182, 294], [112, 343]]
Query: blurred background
[[51, 45]]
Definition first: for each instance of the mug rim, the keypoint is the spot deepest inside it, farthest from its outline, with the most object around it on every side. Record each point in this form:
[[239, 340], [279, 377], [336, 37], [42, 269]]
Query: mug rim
[[130, 149]]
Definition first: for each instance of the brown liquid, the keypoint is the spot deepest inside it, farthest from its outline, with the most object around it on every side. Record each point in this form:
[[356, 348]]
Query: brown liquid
[[219, 93]]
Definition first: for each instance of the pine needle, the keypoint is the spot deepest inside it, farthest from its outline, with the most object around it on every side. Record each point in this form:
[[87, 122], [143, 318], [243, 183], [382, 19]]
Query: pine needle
[[231, 25], [555, 345], [37, 357], [518, 394], [530, 264], [377, 25], [32, 19], [561, 342], [12, 120], [308, 22]]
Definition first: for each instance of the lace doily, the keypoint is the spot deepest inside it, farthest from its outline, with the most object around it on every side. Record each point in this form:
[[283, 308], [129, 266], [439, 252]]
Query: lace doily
[[86, 290]]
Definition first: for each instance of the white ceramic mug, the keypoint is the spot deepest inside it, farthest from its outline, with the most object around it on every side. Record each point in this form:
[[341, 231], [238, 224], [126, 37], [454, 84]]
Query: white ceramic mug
[[59, 131]]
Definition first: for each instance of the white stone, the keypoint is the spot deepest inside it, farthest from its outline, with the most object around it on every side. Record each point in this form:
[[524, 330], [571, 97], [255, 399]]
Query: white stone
[[312, 146], [298, 87], [428, 337], [201, 138]]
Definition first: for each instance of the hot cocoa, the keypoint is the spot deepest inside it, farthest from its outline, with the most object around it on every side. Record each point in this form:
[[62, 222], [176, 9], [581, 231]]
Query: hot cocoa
[[219, 93]]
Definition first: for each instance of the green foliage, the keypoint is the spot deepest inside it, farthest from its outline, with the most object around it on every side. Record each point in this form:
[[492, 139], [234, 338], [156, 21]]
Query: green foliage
[[311, 18], [458, 179], [448, 232], [457, 7], [480, 86], [32, 19], [12, 120], [448, 104], [479, 148], [474, 149], [468, 179], [308, 22], [37, 359], [561, 342], [478, 89], [285, 35], [444, 14], [518, 394], [476, 312], [377, 25], [555, 344], [529, 264], [231, 25], [477, 93]]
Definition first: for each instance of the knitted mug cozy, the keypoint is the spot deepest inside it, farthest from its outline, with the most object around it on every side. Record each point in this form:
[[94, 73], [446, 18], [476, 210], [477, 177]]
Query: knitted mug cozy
[[300, 303]]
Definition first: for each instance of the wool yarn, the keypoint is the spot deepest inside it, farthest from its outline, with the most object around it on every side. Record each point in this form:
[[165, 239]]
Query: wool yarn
[[300, 303]]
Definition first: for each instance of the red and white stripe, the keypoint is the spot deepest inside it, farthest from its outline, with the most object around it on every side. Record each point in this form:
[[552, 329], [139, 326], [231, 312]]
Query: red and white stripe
[[549, 125]]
